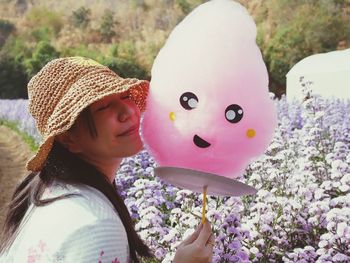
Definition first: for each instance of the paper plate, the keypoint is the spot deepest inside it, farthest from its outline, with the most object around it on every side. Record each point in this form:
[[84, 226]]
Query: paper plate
[[195, 180]]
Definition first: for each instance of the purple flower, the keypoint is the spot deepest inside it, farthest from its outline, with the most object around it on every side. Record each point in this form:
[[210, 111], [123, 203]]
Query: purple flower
[[234, 245], [300, 213]]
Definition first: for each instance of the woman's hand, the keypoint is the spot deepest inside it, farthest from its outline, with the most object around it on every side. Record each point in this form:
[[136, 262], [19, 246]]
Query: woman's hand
[[198, 247]]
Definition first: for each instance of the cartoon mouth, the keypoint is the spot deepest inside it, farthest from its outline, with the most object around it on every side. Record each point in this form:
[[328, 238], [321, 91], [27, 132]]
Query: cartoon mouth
[[198, 141]]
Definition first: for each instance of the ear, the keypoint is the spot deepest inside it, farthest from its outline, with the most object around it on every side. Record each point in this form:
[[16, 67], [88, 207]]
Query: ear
[[69, 142]]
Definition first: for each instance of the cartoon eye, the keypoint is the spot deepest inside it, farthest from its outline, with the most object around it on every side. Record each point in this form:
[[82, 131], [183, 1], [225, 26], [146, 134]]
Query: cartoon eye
[[188, 101], [234, 113]]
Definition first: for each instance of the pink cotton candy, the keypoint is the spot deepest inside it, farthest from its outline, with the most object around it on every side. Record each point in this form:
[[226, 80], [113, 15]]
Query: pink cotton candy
[[211, 56]]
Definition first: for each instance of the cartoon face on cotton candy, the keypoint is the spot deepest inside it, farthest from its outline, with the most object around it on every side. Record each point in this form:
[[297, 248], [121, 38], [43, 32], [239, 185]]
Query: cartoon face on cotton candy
[[209, 108]]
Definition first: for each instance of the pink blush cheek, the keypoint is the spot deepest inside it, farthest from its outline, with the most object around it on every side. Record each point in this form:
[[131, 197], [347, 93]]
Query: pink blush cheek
[[265, 124]]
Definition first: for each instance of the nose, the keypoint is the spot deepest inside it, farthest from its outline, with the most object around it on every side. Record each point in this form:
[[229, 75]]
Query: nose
[[125, 111]]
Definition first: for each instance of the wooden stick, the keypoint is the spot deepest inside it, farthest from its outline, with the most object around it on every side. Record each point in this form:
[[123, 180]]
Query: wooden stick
[[204, 203]]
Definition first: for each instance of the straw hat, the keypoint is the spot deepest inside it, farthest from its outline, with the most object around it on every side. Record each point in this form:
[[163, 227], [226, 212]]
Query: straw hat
[[63, 88]]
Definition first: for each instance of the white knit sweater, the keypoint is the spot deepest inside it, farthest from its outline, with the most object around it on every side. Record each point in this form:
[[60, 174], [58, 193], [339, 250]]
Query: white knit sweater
[[78, 229]]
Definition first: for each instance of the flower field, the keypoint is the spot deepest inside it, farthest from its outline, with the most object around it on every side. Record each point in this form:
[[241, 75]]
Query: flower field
[[301, 212]]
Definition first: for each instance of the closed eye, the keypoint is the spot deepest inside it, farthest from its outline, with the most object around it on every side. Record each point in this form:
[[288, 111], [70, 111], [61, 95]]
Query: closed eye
[[126, 97], [103, 107]]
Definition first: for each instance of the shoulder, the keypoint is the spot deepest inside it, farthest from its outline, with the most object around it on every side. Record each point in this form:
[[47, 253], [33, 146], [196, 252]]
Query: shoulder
[[79, 206], [84, 202]]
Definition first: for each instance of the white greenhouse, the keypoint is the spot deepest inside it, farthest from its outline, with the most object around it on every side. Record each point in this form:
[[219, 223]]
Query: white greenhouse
[[327, 74]]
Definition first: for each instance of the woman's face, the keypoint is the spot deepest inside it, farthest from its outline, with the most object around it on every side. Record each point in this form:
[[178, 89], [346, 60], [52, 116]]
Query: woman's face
[[117, 121]]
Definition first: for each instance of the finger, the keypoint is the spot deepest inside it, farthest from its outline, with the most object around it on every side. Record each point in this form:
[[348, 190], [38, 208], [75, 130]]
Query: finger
[[193, 237], [209, 248], [211, 257], [204, 234], [208, 252], [211, 241]]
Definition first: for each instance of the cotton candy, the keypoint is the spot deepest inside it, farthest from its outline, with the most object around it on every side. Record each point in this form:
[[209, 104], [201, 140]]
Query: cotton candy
[[209, 107]]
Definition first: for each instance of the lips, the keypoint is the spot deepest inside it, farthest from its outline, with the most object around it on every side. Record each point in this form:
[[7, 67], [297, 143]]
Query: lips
[[201, 143], [130, 131]]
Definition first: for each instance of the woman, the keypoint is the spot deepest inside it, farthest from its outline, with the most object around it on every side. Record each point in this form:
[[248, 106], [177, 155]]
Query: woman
[[68, 208]]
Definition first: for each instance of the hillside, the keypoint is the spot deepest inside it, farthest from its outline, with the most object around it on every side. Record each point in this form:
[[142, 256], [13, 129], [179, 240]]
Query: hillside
[[133, 31]]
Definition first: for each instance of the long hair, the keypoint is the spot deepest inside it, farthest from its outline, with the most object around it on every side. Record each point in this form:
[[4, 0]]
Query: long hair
[[66, 167]]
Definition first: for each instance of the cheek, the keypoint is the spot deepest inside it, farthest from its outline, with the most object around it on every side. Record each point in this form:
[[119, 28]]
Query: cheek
[[103, 122], [80, 131], [137, 113], [133, 107]]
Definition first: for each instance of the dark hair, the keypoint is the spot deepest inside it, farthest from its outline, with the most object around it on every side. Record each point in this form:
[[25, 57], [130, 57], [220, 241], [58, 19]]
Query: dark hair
[[65, 167]]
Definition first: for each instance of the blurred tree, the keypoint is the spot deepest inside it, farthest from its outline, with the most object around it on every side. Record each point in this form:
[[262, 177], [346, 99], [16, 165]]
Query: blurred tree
[[125, 68], [42, 54], [20, 6], [162, 20], [43, 17], [184, 6], [17, 48], [81, 17], [42, 34], [107, 25], [6, 28], [126, 50], [13, 78], [81, 50], [113, 50], [139, 3]]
